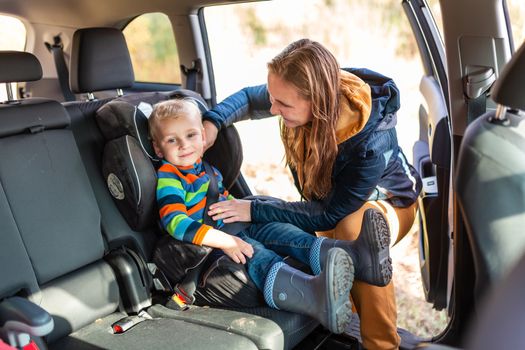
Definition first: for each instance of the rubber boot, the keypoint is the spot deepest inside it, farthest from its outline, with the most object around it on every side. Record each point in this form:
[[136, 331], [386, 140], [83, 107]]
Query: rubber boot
[[370, 252], [323, 297]]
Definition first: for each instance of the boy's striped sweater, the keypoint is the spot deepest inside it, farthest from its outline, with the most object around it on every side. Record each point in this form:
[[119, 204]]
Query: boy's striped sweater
[[181, 197]]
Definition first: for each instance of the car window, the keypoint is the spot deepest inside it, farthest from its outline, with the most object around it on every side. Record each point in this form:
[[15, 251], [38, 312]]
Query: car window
[[12, 37], [516, 9], [244, 37], [153, 49]]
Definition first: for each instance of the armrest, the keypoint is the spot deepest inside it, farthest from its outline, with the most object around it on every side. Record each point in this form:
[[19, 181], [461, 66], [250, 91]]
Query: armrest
[[20, 318]]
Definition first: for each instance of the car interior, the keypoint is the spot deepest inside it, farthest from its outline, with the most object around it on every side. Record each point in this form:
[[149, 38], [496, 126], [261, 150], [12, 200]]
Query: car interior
[[77, 184]]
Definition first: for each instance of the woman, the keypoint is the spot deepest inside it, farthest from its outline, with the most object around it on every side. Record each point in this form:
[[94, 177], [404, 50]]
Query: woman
[[338, 129]]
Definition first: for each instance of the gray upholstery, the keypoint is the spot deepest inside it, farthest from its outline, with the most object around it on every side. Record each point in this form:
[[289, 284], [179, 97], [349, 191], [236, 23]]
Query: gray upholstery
[[153, 334], [490, 180], [14, 277], [491, 174], [77, 299], [49, 194], [93, 56], [23, 66], [508, 90], [500, 322]]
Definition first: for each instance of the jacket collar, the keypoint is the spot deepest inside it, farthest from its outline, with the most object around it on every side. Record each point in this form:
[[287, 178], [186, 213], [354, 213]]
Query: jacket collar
[[355, 106]]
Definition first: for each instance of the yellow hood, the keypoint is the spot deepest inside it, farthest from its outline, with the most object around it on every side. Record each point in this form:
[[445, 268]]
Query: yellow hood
[[356, 102]]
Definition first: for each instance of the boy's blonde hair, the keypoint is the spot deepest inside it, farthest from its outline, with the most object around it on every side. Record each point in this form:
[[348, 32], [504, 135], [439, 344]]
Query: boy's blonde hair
[[171, 109]]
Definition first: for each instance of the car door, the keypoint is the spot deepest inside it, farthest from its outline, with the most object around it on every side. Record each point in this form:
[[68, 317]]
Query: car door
[[432, 154], [456, 90]]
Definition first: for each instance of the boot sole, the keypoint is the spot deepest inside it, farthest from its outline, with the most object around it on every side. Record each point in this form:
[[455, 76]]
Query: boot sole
[[339, 279], [378, 240]]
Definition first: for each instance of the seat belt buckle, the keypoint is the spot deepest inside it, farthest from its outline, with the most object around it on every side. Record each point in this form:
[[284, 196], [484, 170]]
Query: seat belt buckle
[[179, 300], [126, 323]]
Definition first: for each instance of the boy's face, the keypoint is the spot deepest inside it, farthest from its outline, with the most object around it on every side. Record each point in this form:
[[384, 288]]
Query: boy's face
[[180, 140]]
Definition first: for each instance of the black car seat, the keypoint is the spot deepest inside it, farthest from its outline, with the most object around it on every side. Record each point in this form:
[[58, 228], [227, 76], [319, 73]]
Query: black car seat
[[53, 243], [490, 179]]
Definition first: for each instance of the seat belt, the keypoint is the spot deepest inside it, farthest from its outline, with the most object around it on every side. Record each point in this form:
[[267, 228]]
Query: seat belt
[[192, 74], [57, 49], [184, 290]]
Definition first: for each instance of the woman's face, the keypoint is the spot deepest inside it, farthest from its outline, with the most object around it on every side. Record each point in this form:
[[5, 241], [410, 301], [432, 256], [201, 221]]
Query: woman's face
[[288, 103]]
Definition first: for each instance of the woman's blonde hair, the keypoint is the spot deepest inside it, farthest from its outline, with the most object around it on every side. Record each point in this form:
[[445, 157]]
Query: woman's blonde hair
[[311, 149], [171, 109]]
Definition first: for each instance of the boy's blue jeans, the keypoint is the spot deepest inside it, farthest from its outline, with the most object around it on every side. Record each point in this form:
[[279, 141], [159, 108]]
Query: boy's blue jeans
[[269, 242]]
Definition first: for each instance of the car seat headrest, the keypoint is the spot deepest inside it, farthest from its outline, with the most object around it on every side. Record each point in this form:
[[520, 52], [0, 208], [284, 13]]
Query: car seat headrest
[[509, 88], [100, 60], [18, 66], [32, 116], [120, 118]]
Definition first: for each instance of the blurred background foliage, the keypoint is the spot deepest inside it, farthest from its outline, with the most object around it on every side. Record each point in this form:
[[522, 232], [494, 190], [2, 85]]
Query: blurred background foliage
[[153, 50]]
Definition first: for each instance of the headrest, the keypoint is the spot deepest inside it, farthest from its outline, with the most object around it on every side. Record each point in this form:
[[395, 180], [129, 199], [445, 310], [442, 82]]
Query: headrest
[[100, 61], [32, 116], [509, 88], [119, 118], [18, 66], [129, 115]]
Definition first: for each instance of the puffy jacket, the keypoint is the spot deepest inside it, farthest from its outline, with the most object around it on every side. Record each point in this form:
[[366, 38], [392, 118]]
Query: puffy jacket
[[370, 165]]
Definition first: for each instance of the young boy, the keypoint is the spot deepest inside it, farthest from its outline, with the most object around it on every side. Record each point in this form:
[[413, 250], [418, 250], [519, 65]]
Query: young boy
[[178, 138]]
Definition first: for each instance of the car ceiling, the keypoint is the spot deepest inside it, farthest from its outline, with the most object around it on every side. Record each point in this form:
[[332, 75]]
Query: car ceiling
[[90, 13]]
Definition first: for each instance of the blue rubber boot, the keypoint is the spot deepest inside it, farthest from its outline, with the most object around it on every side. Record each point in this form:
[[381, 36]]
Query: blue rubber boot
[[324, 297]]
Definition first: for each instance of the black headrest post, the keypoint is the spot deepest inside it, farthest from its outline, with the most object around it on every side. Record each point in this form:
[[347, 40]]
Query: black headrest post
[[509, 89]]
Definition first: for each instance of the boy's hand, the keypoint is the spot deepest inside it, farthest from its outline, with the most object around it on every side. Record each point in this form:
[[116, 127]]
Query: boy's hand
[[238, 250]]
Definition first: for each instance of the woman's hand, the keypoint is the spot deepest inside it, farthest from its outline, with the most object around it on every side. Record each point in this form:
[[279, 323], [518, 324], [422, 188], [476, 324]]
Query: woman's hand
[[230, 211], [210, 132]]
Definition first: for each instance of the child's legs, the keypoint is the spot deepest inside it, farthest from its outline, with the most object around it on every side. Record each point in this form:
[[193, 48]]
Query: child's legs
[[261, 261], [284, 239], [376, 306]]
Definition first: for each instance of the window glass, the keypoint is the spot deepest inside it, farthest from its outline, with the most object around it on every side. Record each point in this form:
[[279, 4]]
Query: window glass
[[12, 37], [153, 50], [516, 10], [361, 33]]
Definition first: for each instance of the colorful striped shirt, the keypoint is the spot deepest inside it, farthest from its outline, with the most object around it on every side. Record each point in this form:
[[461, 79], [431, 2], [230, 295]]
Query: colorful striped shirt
[[181, 197]]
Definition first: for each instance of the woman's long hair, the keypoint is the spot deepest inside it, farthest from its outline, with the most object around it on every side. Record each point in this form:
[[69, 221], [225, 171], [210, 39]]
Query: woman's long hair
[[311, 149]]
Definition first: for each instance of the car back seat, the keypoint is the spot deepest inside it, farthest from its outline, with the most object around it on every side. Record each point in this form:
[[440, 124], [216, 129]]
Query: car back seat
[[53, 233]]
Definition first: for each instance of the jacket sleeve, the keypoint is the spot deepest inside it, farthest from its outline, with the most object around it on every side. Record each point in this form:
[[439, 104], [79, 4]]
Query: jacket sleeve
[[174, 214], [248, 103], [353, 186]]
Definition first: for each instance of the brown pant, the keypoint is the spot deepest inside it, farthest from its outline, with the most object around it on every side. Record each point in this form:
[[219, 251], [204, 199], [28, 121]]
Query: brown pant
[[376, 306]]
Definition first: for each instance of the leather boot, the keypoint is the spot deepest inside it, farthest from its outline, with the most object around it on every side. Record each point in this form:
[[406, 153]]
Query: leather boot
[[323, 297]]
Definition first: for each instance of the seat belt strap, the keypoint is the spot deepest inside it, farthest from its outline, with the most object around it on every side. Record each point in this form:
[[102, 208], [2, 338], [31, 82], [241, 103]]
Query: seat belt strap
[[191, 74], [476, 86], [212, 196], [476, 107], [57, 49], [186, 288]]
